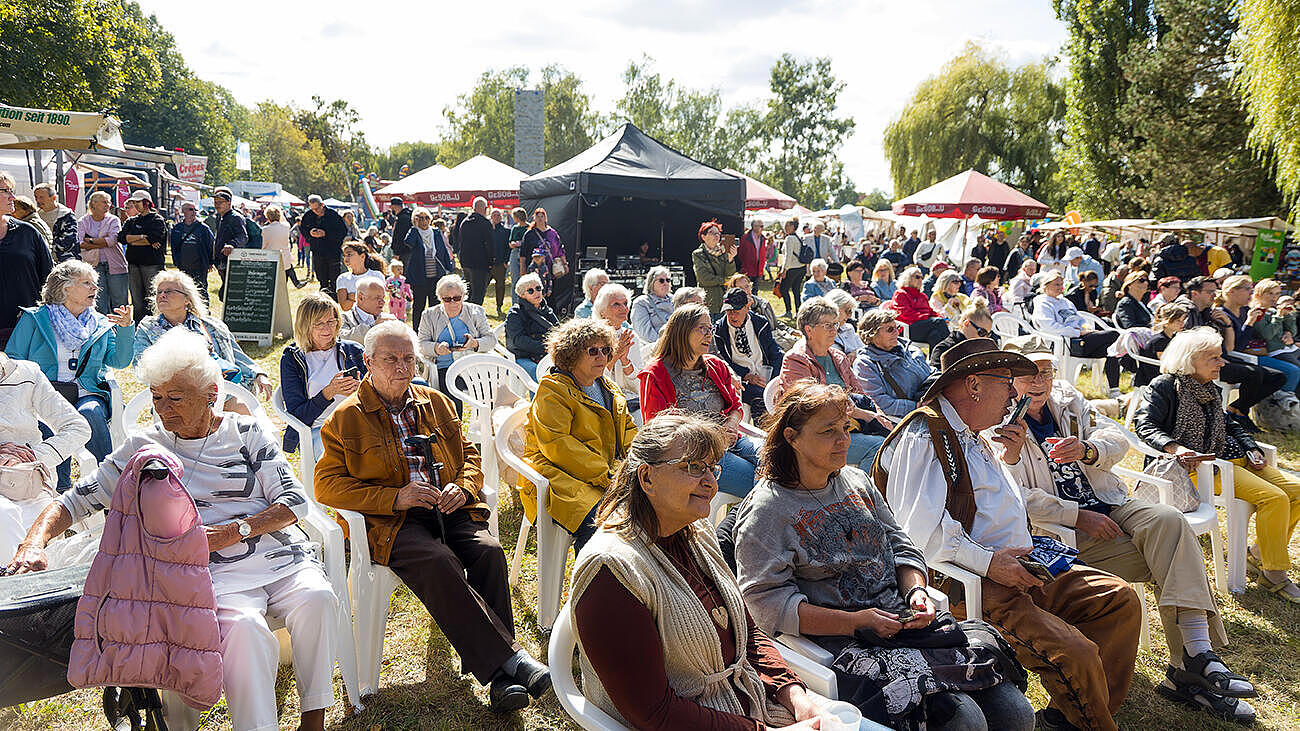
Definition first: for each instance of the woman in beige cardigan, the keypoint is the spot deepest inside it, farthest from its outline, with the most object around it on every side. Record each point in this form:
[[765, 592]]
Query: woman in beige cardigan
[[1064, 461]]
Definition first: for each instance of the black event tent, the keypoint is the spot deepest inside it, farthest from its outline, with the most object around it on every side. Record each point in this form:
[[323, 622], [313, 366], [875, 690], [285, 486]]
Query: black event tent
[[629, 188]]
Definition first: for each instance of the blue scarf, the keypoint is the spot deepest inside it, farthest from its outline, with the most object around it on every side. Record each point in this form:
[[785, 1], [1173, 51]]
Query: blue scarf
[[72, 331]]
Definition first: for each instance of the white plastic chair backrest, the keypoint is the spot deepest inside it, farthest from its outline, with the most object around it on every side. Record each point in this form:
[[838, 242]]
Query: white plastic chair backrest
[[306, 448], [545, 366], [131, 412], [482, 375], [770, 391], [514, 422], [560, 654], [1096, 322], [1007, 325]]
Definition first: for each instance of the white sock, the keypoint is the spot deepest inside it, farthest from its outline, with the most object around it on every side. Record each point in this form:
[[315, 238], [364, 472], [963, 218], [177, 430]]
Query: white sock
[[1195, 628]]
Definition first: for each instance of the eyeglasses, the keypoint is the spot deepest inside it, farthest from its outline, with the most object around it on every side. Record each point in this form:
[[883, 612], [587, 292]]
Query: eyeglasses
[[1046, 376], [887, 329], [981, 331], [702, 329], [457, 298], [7, 191], [663, 280], [530, 290], [604, 350], [1006, 379], [695, 468], [827, 326], [326, 325], [169, 292]]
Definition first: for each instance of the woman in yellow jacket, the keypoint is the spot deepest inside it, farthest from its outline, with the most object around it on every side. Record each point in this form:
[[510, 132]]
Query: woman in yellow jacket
[[578, 427]]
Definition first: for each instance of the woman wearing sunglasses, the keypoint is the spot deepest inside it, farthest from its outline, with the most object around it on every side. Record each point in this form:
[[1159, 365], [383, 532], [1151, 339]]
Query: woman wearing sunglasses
[[891, 369], [682, 374], [974, 321], [650, 311], [683, 652], [578, 427], [1131, 310], [528, 323], [453, 328]]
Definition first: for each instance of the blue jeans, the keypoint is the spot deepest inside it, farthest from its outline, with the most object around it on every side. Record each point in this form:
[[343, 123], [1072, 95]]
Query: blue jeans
[[1003, 707], [114, 289], [529, 366], [1290, 370], [95, 411], [863, 448], [738, 467], [316, 442], [513, 267]]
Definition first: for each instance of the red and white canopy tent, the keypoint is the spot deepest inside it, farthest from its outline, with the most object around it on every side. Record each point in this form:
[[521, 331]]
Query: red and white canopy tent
[[459, 186], [970, 194], [760, 196]]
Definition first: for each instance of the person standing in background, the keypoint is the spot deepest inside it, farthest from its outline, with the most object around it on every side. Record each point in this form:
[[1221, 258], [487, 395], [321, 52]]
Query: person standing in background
[[752, 252], [228, 229], [516, 242], [192, 248], [325, 231], [24, 261], [275, 237], [144, 236], [791, 270], [399, 217], [476, 248], [500, 253], [97, 231], [61, 221]]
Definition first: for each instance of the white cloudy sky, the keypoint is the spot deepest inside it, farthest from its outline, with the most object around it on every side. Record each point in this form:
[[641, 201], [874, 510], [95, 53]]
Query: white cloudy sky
[[400, 63]]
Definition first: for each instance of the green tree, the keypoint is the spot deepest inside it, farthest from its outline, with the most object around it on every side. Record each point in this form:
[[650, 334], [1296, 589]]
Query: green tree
[[1187, 155], [282, 152], [419, 155], [1090, 165], [802, 132], [482, 121], [685, 119], [1269, 81], [876, 200], [978, 113], [336, 126]]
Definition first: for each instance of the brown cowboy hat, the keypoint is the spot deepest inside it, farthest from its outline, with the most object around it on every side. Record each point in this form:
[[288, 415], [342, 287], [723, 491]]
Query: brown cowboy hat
[[975, 355]]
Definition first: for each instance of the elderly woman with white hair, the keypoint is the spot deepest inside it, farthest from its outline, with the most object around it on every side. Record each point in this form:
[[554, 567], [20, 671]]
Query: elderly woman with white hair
[[176, 299], [651, 310], [74, 346], [592, 282], [250, 503], [818, 283], [1055, 315], [611, 306], [1181, 414], [528, 323], [453, 328]]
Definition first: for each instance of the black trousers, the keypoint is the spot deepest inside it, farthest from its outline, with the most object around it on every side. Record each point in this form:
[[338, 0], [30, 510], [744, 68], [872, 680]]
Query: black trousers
[[327, 270], [1094, 345], [753, 395], [421, 296], [462, 579], [478, 279], [1255, 383], [792, 287], [931, 331], [201, 281], [445, 388]]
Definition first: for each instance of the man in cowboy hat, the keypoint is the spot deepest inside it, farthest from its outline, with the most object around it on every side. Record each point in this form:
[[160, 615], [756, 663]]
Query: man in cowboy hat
[[958, 503], [1065, 469]]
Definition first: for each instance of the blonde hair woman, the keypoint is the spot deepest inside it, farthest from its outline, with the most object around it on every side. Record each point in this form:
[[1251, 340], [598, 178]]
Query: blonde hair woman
[[882, 279], [947, 299], [317, 370]]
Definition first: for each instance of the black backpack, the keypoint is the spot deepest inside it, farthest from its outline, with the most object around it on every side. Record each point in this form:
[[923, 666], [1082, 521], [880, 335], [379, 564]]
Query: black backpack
[[254, 233]]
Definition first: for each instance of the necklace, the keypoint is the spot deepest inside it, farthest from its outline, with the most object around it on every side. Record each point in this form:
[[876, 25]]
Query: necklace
[[719, 610], [848, 529], [185, 482]]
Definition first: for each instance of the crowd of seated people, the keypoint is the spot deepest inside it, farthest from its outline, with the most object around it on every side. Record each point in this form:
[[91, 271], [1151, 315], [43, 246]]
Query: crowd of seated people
[[862, 460]]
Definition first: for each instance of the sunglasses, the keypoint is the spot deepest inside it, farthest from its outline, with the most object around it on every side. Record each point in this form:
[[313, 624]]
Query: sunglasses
[[663, 280], [604, 350], [530, 290], [695, 468], [457, 298]]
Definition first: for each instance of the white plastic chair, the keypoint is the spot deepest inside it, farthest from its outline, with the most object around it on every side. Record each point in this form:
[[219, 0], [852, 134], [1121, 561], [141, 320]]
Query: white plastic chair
[[317, 525], [545, 366], [306, 446], [1008, 325], [1096, 322], [769, 393], [552, 541], [500, 332]]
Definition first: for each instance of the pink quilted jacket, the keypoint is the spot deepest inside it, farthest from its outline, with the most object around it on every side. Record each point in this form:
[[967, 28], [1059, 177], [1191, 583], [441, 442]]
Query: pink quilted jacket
[[148, 616]]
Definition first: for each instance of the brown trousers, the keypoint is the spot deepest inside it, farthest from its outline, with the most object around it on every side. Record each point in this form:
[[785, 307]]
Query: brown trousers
[[1079, 634], [462, 581]]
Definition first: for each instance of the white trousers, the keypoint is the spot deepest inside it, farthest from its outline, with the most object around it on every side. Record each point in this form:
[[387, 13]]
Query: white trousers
[[250, 656]]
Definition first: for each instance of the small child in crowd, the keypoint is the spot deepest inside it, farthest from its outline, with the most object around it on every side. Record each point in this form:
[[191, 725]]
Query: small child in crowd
[[399, 292], [542, 269]]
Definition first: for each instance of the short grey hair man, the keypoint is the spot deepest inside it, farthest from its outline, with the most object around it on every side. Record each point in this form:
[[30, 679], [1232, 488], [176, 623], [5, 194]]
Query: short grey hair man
[[390, 329]]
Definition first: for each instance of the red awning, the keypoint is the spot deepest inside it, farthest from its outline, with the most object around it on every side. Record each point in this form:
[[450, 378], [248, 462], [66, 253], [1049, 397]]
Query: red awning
[[760, 195], [970, 194]]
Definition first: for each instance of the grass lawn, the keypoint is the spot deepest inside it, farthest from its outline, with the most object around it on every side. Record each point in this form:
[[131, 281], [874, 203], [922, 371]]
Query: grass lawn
[[422, 687]]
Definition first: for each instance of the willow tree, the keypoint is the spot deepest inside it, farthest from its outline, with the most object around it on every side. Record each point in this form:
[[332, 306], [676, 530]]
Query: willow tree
[[979, 113], [1268, 48]]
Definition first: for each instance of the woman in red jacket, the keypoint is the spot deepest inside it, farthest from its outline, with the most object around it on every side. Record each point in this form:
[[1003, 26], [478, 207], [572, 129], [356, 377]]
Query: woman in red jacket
[[681, 374], [913, 308]]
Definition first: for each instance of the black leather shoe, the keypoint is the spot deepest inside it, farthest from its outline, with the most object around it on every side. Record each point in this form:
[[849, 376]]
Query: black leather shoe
[[1050, 719], [505, 695], [533, 675]]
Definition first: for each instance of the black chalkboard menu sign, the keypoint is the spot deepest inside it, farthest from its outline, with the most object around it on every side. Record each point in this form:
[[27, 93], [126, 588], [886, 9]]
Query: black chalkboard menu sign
[[250, 297]]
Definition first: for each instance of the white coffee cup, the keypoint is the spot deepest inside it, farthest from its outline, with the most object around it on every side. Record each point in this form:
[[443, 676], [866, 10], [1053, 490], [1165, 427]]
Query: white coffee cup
[[840, 716]]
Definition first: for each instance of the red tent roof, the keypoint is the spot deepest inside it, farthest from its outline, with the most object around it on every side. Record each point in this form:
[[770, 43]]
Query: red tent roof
[[970, 194], [760, 195]]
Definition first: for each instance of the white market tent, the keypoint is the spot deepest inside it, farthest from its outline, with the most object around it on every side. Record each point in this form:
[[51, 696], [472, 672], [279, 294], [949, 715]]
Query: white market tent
[[459, 186], [1229, 226], [1110, 225], [22, 128], [283, 198], [429, 178]]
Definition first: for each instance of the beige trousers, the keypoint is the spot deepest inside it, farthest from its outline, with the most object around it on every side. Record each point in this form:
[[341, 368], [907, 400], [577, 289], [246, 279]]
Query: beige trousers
[[1158, 546]]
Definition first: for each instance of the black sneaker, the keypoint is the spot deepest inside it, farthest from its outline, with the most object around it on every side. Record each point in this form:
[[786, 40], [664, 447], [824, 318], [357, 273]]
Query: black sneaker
[[505, 695]]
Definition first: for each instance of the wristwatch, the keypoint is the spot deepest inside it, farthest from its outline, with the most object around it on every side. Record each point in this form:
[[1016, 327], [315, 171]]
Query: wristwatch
[[245, 530]]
